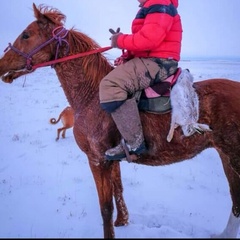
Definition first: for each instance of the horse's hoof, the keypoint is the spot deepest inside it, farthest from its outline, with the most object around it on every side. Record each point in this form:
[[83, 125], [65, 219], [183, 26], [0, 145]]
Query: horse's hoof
[[119, 223]]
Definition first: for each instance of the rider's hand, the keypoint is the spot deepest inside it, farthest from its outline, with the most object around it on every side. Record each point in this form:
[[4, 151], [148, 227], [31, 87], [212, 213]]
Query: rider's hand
[[126, 56], [114, 37], [118, 61]]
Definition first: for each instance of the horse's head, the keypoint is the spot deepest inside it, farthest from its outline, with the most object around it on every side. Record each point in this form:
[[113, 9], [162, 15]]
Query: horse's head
[[36, 44]]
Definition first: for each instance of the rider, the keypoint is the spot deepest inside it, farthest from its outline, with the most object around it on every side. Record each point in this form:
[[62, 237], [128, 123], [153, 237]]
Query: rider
[[152, 54]]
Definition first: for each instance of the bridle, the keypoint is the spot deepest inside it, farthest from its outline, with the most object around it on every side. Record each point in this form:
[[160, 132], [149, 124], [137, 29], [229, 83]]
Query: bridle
[[58, 34]]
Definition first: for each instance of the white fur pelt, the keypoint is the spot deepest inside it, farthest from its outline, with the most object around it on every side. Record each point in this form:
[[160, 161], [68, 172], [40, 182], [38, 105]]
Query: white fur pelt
[[185, 107]]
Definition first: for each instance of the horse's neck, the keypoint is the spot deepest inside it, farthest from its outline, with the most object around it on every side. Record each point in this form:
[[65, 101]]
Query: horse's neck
[[79, 91]]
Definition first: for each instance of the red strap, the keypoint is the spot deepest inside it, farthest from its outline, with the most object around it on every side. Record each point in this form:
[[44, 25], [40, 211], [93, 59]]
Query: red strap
[[49, 63], [152, 93], [175, 76]]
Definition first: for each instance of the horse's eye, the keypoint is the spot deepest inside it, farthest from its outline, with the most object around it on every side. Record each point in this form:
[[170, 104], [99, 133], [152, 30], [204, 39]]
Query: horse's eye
[[25, 35]]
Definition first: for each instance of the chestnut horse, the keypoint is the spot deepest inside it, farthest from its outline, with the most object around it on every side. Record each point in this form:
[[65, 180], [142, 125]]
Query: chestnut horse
[[46, 39]]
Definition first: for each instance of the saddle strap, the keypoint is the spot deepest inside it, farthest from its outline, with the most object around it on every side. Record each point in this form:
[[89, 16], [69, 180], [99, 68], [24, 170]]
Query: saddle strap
[[162, 88]]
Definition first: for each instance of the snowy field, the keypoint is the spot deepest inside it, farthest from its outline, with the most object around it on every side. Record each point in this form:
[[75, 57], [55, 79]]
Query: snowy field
[[47, 189]]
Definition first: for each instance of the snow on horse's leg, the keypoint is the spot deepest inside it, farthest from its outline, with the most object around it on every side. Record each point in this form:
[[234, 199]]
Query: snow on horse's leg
[[231, 229]]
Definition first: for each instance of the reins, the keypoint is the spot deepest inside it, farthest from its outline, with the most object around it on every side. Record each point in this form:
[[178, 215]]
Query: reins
[[59, 37], [70, 57]]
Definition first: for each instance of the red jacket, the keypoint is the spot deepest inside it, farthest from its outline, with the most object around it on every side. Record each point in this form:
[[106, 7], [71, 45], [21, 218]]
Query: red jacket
[[156, 31]]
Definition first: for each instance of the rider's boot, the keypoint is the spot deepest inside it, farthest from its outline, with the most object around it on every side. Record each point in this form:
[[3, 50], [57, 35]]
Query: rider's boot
[[128, 122]]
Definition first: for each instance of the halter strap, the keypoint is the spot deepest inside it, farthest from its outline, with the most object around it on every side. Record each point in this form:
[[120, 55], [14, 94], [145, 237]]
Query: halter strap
[[58, 36]]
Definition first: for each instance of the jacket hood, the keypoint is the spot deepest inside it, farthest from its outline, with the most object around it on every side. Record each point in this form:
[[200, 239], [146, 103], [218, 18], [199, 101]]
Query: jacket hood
[[175, 3]]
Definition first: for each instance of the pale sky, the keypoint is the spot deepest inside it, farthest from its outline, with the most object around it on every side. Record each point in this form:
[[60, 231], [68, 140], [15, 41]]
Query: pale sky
[[211, 27]]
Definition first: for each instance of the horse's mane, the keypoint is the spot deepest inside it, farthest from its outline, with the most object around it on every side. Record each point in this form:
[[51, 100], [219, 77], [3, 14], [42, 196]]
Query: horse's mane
[[95, 66], [52, 14]]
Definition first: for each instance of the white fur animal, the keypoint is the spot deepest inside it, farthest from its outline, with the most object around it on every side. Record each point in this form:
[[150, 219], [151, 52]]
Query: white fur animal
[[185, 107]]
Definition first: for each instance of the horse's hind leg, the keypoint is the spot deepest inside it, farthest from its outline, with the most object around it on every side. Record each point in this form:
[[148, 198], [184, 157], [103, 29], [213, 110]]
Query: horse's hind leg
[[233, 175], [122, 212]]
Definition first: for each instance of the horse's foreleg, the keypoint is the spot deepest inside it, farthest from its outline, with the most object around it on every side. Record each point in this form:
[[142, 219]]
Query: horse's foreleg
[[122, 212], [102, 176], [233, 176]]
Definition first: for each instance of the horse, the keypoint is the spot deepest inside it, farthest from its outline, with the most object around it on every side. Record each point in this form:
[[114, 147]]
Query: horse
[[45, 40]]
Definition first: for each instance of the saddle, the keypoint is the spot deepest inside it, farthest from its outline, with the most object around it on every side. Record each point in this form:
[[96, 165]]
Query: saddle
[[156, 98]]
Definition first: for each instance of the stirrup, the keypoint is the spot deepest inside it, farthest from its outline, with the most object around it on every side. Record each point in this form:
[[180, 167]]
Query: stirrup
[[126, 153]]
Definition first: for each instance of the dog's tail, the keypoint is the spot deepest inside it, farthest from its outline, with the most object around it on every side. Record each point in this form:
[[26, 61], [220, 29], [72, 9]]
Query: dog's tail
[[54, 120]]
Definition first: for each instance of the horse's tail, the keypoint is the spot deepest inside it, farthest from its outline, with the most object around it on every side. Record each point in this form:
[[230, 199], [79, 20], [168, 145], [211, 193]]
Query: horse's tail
[[54, 120]]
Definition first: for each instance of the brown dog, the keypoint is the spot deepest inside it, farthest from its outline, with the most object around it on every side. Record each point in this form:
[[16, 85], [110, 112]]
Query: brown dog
[[67, 118]]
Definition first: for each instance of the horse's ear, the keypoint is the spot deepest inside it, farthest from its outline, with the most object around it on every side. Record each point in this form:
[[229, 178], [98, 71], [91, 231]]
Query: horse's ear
[[38, 15], [36, 11]]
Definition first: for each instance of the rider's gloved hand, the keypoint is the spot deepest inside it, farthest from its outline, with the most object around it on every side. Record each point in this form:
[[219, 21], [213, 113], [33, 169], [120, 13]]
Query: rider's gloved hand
[[114, 37]]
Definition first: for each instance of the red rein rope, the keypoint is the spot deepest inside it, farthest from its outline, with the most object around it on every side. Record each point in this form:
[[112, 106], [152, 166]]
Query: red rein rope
[[70, 57]]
